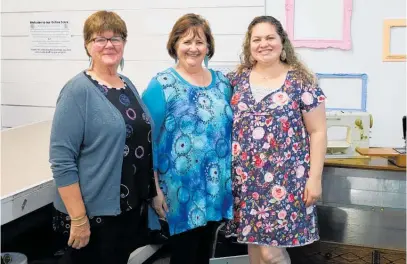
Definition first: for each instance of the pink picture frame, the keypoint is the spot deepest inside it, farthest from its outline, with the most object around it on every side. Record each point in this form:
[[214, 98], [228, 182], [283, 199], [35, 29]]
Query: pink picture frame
[[344, 44]]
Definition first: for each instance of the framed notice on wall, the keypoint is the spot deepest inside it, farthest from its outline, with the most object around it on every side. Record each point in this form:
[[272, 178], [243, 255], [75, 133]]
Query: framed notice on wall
[[50, 37]]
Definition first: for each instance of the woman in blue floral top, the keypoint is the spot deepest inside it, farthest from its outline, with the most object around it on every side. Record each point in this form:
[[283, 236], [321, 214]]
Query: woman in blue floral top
[[278, 146], [191, 142]]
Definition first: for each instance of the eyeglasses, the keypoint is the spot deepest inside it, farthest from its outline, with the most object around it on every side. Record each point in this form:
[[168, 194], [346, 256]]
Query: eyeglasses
[[102, 41]]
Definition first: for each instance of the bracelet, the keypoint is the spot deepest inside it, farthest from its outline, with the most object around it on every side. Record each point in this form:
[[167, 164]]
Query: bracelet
[[77, 219], [81, 223]]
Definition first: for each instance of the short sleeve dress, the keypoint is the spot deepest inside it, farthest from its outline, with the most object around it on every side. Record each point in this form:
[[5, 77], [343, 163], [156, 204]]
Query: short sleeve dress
[[271, 162]]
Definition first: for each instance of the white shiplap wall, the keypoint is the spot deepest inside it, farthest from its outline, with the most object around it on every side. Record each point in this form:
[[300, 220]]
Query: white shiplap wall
[[386, 87], [31, 83]]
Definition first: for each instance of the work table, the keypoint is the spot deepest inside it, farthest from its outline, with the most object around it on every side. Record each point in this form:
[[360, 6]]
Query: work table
[[25, 158], [26, 177], [372, 163], [363, 203], [355, 191]]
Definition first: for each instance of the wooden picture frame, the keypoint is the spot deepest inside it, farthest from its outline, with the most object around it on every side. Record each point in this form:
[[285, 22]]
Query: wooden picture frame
[[345, 43], [387, 25]]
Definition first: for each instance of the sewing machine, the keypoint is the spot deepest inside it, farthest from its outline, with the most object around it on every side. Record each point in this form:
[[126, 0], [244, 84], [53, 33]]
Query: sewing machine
[[396, 156], [347, 131]]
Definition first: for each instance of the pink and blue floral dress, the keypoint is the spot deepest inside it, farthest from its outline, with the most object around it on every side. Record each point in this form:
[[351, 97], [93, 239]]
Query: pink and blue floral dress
[[271, 162]]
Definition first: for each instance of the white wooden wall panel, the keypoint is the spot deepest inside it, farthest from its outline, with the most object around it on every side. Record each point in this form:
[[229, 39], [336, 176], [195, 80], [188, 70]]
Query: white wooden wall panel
[[59, 72], [138, 48], [232, 20], [37, 71], [46, 91], [50, 5], [30, 94], [31, 82], [39, 88], [18, 24], [386, 86], [18, 48], [18, 115]]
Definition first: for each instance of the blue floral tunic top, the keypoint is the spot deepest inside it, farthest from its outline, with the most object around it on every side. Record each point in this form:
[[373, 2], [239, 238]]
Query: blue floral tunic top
[[192, 148], [271, 162]]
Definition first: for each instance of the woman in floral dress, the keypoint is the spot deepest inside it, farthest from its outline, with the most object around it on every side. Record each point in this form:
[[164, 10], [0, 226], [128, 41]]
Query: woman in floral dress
[[279, 143]]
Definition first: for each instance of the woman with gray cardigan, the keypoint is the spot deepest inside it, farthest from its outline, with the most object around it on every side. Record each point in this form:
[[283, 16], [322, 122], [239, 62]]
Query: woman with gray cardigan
[[100, 152]]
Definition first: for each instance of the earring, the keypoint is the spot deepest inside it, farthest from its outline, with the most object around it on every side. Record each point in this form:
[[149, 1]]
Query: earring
[[121, 64], [206, 61], [176, 60], [283, 55], [90, 62]]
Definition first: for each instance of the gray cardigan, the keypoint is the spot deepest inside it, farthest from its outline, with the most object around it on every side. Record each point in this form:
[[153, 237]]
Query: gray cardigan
[[87, 142]]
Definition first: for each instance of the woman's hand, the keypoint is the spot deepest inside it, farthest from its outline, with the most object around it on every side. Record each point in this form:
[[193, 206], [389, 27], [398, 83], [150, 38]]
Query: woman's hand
[[80, 233], [313, 191], [159, 204]]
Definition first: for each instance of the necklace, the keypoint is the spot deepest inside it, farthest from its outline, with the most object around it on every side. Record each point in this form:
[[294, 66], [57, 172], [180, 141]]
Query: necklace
[[94, 75], [263, 76]]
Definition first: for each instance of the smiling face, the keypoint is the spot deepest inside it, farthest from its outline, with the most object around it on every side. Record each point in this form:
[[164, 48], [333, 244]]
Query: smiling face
[[192, 48], [265, 44], [106, 54]]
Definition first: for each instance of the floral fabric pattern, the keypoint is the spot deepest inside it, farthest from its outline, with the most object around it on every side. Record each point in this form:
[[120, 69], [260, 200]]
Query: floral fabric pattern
[[271, 162]]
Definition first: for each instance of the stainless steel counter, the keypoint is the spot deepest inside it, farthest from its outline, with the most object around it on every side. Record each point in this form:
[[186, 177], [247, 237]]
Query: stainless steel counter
[[363, 207]]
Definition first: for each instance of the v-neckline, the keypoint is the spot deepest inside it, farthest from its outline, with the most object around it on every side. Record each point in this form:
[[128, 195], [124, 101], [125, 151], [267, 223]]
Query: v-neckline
[[256, 103]]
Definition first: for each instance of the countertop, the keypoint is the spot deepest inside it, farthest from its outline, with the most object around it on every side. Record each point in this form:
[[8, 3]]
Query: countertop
[[371, 163], [24, 157]]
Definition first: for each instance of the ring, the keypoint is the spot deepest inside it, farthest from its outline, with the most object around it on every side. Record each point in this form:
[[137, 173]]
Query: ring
[[77, 247]]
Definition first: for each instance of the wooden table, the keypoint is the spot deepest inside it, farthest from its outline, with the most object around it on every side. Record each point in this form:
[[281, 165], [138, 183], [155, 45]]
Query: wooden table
[[372, 163]]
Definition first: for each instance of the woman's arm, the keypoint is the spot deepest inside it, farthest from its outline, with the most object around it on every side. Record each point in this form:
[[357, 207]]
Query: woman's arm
[[153, 98], [72, 198], [312, 104], [66, 139], [155, 101], [315, 123]]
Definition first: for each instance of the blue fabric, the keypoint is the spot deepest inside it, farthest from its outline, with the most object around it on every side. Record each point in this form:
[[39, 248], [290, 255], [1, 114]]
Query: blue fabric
[[154, 99], [154, 96], [192, 148], [153, 222], [87, 143]]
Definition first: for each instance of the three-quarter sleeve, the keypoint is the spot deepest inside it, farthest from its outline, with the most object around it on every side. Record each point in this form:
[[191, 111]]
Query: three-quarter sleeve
[[227, 88], [311, 96], [154, 99], [66, 137]]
